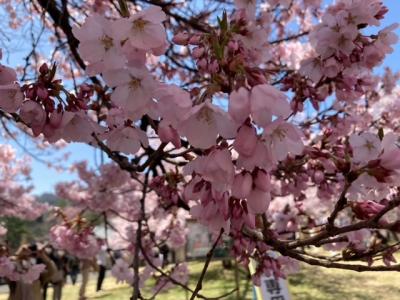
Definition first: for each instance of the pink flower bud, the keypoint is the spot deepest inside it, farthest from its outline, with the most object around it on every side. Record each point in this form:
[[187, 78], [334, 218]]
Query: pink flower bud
[[366, 209], [242, 185], [318, 177], [195, 40], [169, 134], [256, 78], [202, 63], [42, 93], [198, 52], [213, 67], [246, 140], [262, 181], [44, 69], [55, 119], [239, 105], [30, 93], [233, 45], [181, 38], [258, 201]]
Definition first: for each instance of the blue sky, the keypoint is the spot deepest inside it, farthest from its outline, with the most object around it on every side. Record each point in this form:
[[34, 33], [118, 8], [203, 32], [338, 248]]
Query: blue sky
[[45, 178]]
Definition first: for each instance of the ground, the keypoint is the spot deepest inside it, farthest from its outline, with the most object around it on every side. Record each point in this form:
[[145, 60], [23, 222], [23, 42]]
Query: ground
[[310, 284]]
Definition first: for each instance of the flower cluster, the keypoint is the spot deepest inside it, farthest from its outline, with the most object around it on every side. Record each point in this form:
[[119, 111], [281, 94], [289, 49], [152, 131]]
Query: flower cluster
[[343, 54], [214, 126], [10, 270], [79, 242]]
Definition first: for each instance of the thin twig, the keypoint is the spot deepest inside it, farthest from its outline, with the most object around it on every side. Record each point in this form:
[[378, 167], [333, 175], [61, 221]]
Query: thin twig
[[210, 253]]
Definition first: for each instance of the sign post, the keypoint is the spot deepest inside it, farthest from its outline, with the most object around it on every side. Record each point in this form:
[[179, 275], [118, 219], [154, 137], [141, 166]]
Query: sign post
[[271, 288]]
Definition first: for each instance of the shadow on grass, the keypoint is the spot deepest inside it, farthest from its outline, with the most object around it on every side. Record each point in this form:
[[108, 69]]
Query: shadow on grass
[[316, 284]]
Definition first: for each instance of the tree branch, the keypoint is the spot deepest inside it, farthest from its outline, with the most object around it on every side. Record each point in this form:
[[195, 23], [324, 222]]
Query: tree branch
[[210, 253]]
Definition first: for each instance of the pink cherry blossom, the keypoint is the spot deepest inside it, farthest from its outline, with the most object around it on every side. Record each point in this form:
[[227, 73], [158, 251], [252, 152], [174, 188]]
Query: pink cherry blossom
[[168, 134], [259, 121], [359, 239], [134, 90], [99, 44], [11, 97], [312, 68], [242, 185], [258, 201], [239, 105], [331, 68], [121, 271], [7, 267], [283, 138], [261, 157], [204, 122], [262, 180], [246, 140], [266, 101], [366, 187], [216, 168], [144, 29], [34, 115], [82, 244], [126, 139], [181, 38], [7, 75], [249, 6], [365, 210], [77, 127], [366, 146], [33, 273], [387, 38], [173, 104], [390, 158], [212, 214], [3, 230]]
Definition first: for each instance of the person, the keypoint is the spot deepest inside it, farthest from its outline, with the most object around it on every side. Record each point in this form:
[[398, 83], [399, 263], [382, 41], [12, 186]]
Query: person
[[20, 290], [58, 279], [73, 268], [164, 251], [104, 263], [86, 265]]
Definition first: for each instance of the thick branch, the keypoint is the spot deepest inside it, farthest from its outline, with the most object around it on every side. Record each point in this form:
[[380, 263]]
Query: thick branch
[[61, 20], [136, 258]]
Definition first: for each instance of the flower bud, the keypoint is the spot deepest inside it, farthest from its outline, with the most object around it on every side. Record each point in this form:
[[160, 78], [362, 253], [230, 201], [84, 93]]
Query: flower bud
[[318, 176], [242, 185], [181, 38], [198, 52], [262, 180]]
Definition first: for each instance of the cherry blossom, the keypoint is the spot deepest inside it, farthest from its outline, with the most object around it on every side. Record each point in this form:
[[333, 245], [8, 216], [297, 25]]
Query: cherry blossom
[[99, 44], [216, 168], [121, 271], [134, 90], [366, 146], [283, 138], [82, 244], [126, 139], [204, 122], [265, 102], [144, 29], [248, 5], [239, 105], [265, 122]]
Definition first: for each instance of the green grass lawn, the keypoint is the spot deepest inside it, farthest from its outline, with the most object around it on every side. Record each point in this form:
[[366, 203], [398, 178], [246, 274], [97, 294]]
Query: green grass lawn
[[310, 284]]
